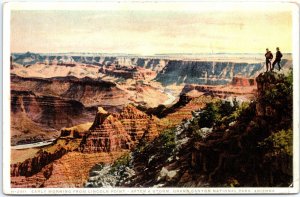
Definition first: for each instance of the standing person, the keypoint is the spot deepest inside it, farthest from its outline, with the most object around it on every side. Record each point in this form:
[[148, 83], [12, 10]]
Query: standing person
[[277, 59], [269, 57]]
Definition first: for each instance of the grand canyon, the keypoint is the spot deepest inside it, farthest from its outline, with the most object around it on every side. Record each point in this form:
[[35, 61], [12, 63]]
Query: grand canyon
[[121, 120]]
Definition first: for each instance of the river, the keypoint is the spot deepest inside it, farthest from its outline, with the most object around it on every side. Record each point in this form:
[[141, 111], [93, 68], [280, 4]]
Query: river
[[33, 145]]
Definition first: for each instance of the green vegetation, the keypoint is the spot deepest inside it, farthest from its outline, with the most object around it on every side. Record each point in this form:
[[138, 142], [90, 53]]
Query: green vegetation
[[239, 110], [258, 135], [165, 141], [278, 144], [220, 113], [209, 115], [121, 162], [168, 140]]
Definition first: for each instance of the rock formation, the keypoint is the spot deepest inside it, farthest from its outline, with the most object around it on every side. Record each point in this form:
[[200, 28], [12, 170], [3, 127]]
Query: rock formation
[[239, 87], [125, 72], [275, 99], [111, 132], [137, 124], [207, 72], [85, 90], [29, 58], [201, 72], [40, 117], [77, 131], [229, 152], [69, 171], [34, 165], [107, 134], [241, 81]]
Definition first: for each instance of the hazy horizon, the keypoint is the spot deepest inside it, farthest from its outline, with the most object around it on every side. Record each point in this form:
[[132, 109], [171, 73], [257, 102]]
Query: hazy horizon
[[152, 31], [80, 52]]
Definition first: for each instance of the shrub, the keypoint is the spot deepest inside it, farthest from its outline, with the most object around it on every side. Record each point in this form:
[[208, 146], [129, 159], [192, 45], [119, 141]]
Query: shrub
[[279, 143], [168, 140], [120, 162]]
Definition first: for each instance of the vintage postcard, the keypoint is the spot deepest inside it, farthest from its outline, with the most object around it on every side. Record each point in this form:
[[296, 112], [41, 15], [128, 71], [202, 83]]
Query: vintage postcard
[[151, 97]]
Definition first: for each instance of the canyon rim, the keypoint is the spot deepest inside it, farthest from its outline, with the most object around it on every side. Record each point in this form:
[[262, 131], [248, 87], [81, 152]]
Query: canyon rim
[[129, 97]]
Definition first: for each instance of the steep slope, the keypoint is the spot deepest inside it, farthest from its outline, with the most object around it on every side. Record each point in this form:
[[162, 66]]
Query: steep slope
[[248, 145], [171, 116]]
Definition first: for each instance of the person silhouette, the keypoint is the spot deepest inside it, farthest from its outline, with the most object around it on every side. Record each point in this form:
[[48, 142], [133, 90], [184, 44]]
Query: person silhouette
[[277, 59], [269, 57]]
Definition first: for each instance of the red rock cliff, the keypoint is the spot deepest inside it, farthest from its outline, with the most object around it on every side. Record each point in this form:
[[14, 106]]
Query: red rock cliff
[[111, 132], [137, 123], [241, 81], [105, 135]]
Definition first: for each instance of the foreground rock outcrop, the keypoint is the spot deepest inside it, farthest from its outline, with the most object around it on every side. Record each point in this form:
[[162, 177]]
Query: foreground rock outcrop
[[69, 171], [34, 165]]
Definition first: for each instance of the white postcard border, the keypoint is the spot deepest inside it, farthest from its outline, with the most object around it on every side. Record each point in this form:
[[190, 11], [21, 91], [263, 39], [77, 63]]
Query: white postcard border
[[7, 7]]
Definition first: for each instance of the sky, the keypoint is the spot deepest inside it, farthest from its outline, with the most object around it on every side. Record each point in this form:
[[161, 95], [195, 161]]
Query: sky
[[150, 29]]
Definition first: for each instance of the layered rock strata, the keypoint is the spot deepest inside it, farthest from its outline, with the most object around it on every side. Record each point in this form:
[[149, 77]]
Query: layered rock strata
[[111, 132], [36, 118], [137, 123], [85, 90], [107, 134], [62, 173], [239, 87]]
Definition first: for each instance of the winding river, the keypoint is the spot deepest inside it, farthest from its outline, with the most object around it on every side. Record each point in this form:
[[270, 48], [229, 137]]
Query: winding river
[[33, 145]]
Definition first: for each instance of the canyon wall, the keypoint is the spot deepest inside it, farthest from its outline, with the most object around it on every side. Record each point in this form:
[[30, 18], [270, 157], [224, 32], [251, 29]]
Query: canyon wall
[[164, 70], [210, 73], [85, 90], [239, 87], [138, 124], [33, 58], [37, 118]]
